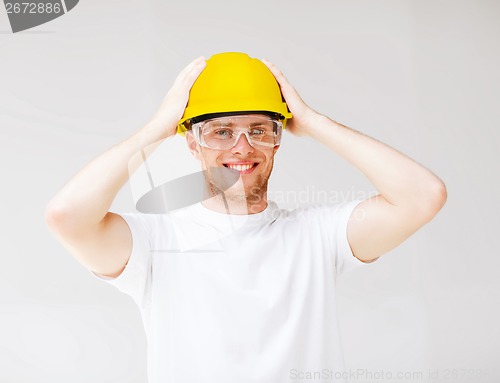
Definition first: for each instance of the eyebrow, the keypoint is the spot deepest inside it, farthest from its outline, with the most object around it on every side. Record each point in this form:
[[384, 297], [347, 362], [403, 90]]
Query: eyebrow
[[231, 124], [225, 123]]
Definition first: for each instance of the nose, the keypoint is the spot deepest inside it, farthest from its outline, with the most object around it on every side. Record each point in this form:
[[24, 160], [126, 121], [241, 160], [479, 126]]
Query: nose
[[242, 145]]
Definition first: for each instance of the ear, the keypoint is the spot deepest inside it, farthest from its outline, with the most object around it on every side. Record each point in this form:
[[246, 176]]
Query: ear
[[193, 147], [275, 149]]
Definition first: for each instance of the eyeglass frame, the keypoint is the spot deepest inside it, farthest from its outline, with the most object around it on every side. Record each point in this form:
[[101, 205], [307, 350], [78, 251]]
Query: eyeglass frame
[[197, 127]]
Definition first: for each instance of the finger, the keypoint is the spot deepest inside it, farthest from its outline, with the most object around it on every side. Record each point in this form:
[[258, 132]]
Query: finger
[[191, 76], [193, 65], [184, 82], [273, 68], [283, 82]]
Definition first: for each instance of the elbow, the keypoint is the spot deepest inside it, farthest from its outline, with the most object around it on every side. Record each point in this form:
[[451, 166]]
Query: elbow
[[440, 195], [60, 219], [435, 199], [67, 223], [54, 217]]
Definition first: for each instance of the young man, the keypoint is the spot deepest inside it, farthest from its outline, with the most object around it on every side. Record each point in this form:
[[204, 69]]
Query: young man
[[234, 289]]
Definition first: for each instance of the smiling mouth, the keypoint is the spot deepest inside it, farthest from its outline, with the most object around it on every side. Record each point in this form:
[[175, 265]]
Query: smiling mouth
[[242, 168]]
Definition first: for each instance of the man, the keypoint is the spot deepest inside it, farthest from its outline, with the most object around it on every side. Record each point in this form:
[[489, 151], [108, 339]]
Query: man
[[234, 289]]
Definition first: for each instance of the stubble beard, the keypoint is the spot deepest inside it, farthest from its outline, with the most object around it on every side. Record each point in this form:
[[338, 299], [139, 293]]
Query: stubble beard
[[238, 193]]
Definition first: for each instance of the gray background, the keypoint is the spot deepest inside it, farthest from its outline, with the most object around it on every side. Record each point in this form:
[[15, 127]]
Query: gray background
[[421, 76]]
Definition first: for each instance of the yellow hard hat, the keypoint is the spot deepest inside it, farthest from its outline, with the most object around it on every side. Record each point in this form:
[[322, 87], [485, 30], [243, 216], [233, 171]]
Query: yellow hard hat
[[234, 82]]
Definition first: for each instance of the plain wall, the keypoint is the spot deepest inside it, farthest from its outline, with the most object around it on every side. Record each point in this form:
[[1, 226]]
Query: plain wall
[[421, 76]]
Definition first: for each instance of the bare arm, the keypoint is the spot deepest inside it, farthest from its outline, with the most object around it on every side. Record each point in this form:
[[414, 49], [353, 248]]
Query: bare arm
[[410, 194], [78, 214]]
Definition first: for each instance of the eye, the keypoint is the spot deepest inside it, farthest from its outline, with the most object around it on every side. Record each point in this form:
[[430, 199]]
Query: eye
[[223, 133], [257, 132]]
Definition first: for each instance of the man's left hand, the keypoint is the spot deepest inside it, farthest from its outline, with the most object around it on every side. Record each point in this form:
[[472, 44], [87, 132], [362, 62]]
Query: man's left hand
[[303, 117]]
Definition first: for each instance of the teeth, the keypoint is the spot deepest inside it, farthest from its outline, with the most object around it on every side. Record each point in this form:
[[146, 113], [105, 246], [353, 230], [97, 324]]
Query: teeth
[[240, 168]]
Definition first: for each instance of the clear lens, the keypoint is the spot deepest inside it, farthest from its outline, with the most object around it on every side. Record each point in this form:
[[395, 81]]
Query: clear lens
[[223, 133]]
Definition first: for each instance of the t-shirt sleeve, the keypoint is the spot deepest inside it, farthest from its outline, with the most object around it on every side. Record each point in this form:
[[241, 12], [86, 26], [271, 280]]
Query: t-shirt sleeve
[[344, 257], [135, 279]]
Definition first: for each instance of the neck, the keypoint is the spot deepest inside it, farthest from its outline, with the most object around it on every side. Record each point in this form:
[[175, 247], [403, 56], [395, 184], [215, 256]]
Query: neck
[[242, 204]]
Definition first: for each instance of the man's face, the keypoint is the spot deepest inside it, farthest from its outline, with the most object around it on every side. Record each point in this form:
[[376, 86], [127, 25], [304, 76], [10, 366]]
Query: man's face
[[250, 165]]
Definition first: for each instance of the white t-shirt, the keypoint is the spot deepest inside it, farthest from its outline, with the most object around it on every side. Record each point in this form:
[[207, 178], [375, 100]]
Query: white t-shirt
[[239, 298]]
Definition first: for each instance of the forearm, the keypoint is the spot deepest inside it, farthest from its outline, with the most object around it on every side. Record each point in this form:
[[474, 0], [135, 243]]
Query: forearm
[[399, 179], [84, 201]]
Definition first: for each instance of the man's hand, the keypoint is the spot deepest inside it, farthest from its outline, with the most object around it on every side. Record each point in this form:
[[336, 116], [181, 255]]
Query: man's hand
[[174, 103], [302, 122]]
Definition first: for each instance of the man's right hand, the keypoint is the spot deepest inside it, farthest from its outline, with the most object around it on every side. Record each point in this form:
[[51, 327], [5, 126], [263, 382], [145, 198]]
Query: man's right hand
[[174, 103]]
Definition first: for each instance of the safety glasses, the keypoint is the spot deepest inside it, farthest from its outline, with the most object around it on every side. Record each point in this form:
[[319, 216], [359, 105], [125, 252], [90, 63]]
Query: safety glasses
[[223, 133]]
